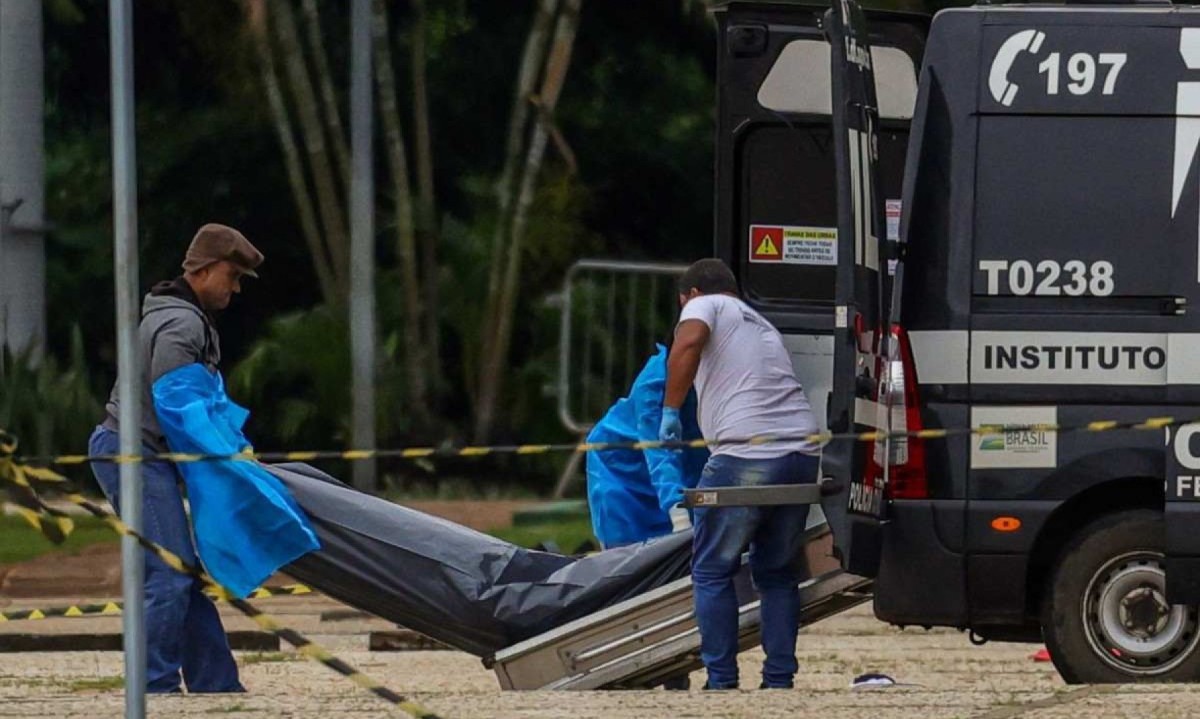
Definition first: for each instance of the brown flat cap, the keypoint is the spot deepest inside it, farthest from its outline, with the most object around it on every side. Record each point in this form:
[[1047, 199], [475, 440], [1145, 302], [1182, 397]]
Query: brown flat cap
[[214, 243]]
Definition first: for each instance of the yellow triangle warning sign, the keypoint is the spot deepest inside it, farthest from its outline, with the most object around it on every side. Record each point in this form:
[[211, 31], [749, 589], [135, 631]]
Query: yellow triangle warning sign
[[766, 248], [766, 243]]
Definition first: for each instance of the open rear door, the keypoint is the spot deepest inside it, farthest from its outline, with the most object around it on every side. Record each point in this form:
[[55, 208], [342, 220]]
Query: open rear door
[[812, 133], [856, 509]]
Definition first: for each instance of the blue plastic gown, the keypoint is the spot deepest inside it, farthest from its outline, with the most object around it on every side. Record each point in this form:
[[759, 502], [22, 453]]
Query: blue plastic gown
[[629, 491], [246, 524]]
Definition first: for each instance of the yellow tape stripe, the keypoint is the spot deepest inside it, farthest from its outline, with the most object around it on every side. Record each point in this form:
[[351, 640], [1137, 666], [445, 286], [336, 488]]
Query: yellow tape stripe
[[177, 563], [534, 449], [34, 519], [289, 590], [72, 459], [1157, 423]]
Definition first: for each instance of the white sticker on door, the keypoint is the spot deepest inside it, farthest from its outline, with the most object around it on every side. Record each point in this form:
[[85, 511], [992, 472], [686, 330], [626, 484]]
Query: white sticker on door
[[794, 244], [1017, 441], [892, 210]]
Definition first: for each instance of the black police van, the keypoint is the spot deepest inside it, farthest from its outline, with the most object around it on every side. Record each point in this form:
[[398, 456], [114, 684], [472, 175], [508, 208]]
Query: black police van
[[1009, 243]]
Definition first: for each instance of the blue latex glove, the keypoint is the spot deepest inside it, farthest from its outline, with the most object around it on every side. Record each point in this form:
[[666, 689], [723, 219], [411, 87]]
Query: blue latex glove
[[670, 429]]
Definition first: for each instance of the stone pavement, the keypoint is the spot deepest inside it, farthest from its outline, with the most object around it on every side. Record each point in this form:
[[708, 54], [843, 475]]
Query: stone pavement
[[944, 676]]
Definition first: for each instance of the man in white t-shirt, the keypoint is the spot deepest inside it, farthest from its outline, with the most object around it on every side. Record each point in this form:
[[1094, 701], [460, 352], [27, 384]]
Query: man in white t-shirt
[[745, 388]]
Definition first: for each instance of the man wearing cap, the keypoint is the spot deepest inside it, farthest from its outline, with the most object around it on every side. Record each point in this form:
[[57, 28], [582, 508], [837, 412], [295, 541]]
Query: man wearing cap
[[184, 632]]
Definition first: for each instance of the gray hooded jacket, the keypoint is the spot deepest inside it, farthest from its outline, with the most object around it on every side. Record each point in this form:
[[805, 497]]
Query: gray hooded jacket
[[174, 332]]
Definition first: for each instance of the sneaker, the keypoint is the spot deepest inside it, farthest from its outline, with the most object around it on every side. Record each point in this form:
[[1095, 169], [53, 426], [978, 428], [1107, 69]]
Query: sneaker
[[764, 685], [709, 686]]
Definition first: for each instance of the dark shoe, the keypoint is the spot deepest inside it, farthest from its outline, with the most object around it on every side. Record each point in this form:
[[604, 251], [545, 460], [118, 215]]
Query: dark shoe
[[678, 684], [764, 685], [711, 687]]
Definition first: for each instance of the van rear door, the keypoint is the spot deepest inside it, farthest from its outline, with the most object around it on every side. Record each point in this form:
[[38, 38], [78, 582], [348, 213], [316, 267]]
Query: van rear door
[[858, 293], [784, 191]]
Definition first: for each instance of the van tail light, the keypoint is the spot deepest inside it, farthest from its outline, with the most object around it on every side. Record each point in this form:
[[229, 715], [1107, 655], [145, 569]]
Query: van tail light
[[900, 461]]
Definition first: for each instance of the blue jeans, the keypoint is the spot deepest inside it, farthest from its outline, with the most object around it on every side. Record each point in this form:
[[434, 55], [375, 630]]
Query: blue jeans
[[183, 629], [775, 536]]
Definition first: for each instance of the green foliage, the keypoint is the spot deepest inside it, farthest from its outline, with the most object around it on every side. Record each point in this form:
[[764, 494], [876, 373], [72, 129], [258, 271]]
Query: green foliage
[[99, 684], [637, 112], [20, 542], [50, 408], [567, 534], [296, 381], [64, 11]]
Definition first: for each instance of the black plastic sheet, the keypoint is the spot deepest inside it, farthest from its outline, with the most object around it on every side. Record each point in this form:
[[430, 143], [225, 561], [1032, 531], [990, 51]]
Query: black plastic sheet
[[462, 587]]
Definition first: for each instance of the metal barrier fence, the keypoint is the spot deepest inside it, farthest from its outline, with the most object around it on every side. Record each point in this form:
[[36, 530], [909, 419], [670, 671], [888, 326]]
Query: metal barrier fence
[[612, 314]]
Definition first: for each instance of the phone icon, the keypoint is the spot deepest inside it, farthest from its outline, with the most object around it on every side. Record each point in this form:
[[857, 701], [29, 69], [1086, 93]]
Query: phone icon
[[1003, 91]]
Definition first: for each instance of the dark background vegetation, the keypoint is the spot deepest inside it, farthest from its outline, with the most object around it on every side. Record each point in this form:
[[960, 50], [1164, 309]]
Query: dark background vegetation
[[637, 111]]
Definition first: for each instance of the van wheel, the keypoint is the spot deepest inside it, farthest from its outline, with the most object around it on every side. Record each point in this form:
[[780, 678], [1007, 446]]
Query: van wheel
[[1105, 618]]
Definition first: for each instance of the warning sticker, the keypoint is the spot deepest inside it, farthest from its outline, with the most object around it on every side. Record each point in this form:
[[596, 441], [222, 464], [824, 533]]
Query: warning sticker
[[892, 210], [792, 244], [765, 243]]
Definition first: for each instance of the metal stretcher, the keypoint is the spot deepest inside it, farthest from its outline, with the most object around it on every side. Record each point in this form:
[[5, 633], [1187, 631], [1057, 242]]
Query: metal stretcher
[[651, 638]]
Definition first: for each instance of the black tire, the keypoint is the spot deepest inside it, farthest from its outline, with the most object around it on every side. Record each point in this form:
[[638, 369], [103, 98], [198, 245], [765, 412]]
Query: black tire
[[1103, 616]]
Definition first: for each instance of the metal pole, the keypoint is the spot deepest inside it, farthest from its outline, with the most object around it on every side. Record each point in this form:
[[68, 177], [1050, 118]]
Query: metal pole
[[125, 262], [5, 213], [362, 243], [22, 174]]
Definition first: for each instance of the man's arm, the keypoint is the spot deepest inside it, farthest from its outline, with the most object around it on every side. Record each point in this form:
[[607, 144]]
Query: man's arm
[[684, 360], [177, 341], [664, 466]]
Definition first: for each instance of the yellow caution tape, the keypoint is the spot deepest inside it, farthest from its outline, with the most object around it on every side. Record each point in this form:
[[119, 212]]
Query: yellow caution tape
[[12, 475], [820, 438]]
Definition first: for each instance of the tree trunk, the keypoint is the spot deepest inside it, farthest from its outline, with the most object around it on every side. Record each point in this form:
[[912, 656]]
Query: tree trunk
[[495, 362], [532, 59], [333, 119], [428, 234], [329, 203], [256, 11], [389, 110]]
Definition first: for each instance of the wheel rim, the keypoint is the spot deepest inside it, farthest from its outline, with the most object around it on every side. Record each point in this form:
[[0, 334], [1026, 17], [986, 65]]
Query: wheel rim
[[1127, 621]]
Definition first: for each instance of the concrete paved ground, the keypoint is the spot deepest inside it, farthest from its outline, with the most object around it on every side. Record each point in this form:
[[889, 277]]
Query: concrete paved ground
[[944, 675]]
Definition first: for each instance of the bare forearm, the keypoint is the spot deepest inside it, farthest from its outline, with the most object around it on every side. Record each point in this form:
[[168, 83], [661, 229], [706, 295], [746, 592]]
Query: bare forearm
[[681, 372]]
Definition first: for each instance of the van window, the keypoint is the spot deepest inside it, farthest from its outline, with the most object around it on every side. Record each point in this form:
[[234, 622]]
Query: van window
[[799, 81], [787, 171]]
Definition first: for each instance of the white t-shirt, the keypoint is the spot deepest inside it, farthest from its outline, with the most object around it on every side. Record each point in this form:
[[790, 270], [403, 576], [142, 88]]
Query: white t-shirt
[[745, 385]]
